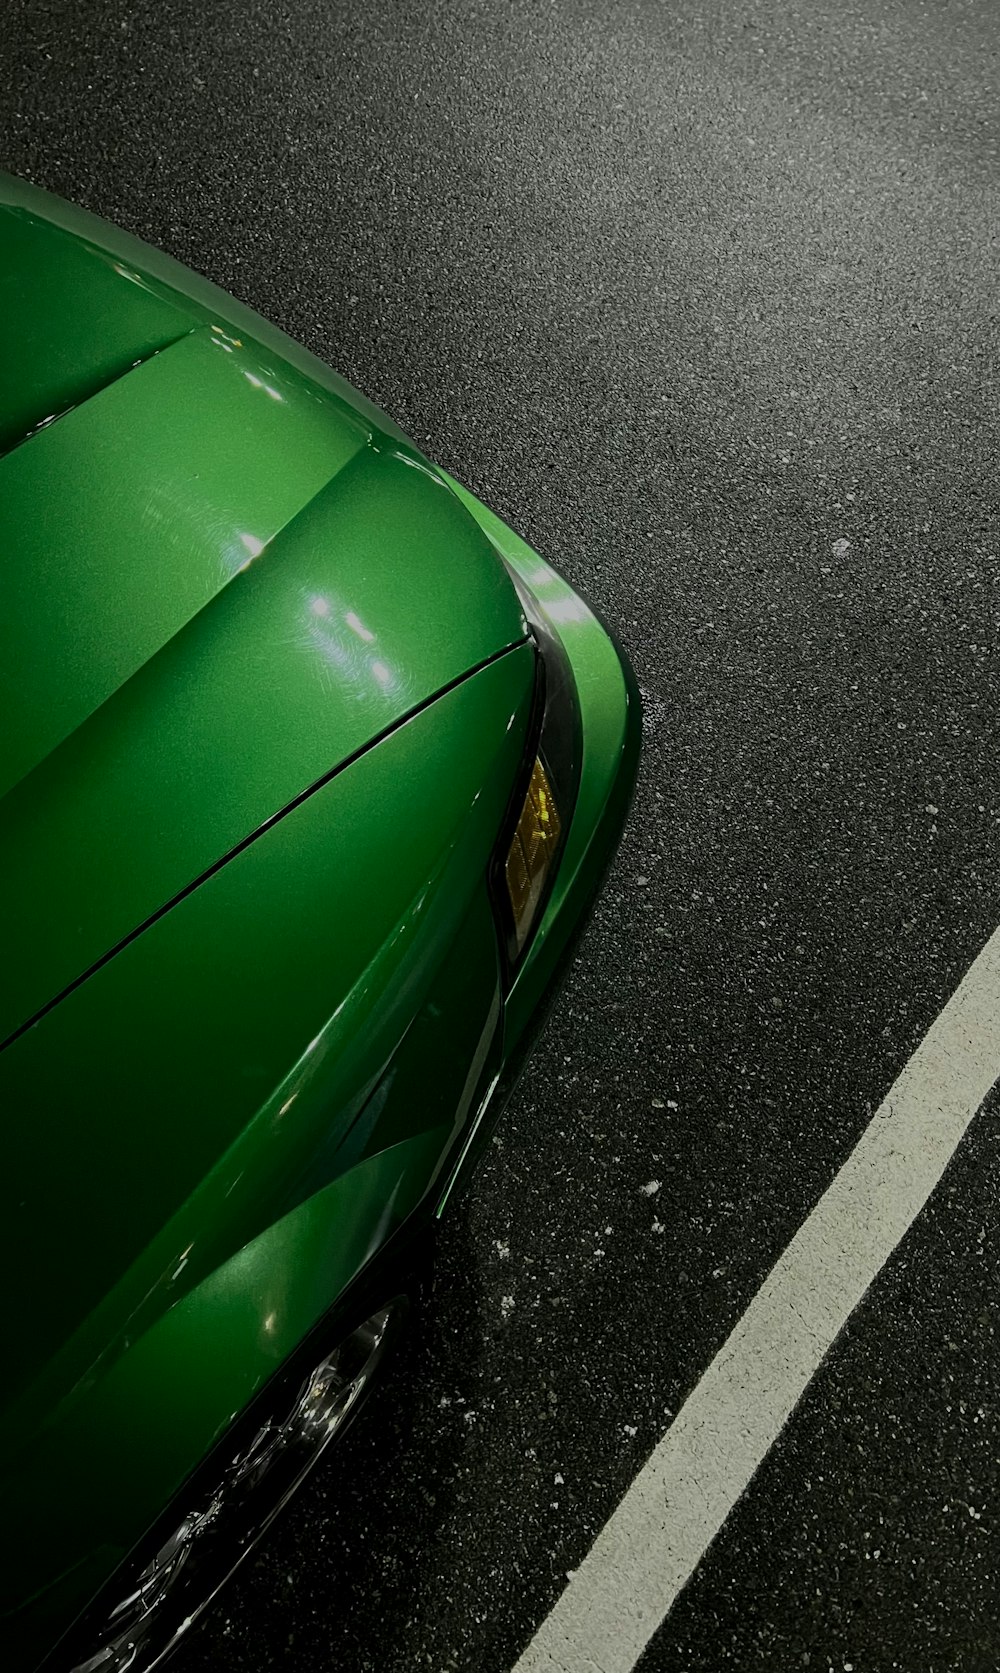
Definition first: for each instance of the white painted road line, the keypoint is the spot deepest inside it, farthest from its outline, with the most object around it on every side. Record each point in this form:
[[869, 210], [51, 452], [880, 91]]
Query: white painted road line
[[681, 1497]]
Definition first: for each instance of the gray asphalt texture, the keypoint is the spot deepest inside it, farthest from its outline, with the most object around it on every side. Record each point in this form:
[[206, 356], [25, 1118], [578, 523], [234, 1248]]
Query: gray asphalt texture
[[874, 1519], [703, 297]]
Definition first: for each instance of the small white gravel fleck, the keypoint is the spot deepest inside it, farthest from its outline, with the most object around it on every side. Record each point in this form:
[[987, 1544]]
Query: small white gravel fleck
[[651, 1189]]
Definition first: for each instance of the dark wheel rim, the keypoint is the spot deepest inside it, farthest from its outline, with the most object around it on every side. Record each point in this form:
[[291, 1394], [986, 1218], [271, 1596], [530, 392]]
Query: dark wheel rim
[[158, 1602]]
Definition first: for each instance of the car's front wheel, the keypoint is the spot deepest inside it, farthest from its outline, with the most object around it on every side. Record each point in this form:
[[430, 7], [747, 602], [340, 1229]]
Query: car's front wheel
[[231, 1503]]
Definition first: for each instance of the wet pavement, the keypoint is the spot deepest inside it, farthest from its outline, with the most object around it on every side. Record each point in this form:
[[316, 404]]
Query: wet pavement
[[703, 298]]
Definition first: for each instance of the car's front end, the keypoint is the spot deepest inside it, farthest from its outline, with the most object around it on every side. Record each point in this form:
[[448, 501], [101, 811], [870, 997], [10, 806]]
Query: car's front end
[[299, 822]]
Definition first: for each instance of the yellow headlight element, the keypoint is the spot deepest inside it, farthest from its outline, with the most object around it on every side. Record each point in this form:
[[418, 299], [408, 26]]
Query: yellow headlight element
[[532, 851]]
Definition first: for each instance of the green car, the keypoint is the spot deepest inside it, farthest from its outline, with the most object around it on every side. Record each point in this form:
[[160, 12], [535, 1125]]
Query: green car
[[310, 770]]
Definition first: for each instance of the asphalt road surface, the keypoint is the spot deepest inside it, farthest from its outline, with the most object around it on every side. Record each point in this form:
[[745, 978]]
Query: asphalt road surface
[[703, 298]]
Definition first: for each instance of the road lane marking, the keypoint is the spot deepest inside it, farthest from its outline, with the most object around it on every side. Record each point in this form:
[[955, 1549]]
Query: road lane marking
[[654, 1540]]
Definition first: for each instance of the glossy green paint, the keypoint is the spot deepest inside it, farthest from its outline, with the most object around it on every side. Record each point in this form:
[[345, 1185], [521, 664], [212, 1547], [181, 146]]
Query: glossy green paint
[[324, 994], [318, 646], [86, 300], [169, 483], [290, 976], [102, 1470], [71, 319], [269, 695], [126, 1436]]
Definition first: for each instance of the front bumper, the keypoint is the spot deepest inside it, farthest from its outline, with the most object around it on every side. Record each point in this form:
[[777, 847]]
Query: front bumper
[[611, 724]]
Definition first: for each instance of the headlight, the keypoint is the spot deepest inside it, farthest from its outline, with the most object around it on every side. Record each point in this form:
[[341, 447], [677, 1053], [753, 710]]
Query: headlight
[[534, 831]]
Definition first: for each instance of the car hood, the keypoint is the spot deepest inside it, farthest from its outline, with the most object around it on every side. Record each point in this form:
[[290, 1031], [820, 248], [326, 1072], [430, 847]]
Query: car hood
[[220, 581]]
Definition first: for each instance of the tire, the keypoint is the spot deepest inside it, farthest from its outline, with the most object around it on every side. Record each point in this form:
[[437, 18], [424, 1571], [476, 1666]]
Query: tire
[[231, 1499]]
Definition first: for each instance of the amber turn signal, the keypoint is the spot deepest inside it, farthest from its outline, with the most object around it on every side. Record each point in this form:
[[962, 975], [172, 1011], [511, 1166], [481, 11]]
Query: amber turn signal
[[532, 851]]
